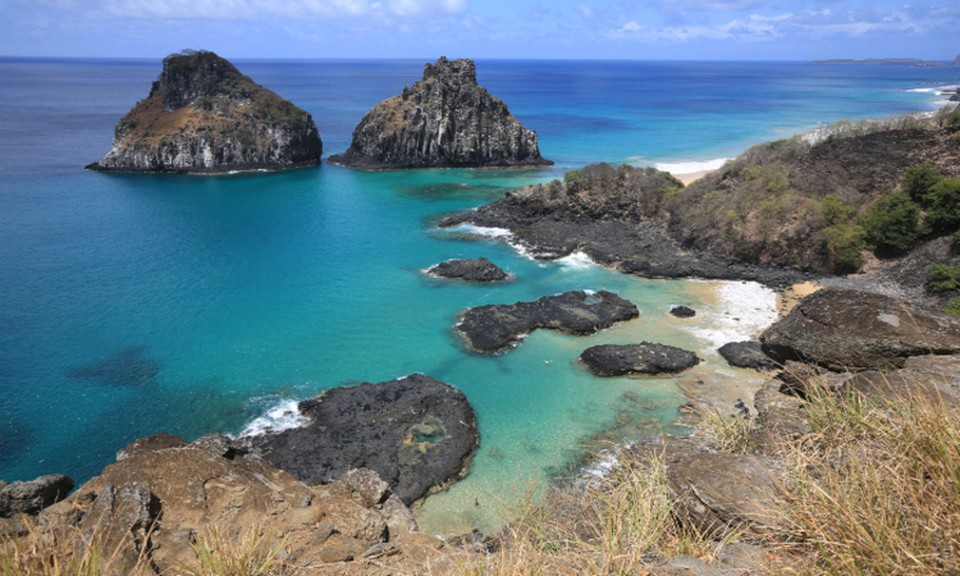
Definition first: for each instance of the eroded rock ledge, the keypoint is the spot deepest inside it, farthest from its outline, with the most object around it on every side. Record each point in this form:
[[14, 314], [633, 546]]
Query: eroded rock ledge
[[446, 120], [497, 327], [204, 116]]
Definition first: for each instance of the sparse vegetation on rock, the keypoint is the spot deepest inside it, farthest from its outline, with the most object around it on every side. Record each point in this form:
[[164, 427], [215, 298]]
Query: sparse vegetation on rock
[[204, 116]]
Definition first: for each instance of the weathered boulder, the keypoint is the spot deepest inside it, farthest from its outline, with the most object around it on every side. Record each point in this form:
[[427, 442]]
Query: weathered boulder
[[473, 270], [683, 312], [848, 330], [719, 491], [643, 358], [417, 433], [32, 496], [204, 116], [445, 120], [496, 327], [748, 354], [781, 419]]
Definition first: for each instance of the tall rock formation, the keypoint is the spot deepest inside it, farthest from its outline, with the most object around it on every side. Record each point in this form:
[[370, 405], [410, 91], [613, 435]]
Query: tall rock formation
[[203, 115], [446, 120]]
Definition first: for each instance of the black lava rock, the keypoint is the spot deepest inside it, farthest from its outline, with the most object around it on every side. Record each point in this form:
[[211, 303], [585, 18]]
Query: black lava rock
[[643, 358], [475, 270], [496, 327], [417, 433], [748, 354]]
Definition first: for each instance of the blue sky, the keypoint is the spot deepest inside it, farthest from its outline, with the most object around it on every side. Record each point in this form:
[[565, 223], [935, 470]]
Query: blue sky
[[632, 29]]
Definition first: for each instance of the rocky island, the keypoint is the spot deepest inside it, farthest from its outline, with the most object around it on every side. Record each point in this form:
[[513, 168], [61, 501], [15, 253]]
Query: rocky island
[[447, 120], [204, 116]]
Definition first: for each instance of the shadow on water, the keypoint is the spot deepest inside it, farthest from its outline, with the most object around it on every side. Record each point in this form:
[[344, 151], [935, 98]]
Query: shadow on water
[[14, 435], [128, 367]]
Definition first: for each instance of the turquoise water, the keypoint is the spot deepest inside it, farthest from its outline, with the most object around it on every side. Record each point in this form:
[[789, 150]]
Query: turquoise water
[[231, 295]]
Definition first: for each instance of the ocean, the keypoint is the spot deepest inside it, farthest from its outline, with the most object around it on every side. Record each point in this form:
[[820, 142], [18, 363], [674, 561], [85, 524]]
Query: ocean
[[137, 304]]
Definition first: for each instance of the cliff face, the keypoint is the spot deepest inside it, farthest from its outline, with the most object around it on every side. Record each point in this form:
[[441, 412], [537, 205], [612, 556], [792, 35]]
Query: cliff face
[[203, 115], [445, 120]]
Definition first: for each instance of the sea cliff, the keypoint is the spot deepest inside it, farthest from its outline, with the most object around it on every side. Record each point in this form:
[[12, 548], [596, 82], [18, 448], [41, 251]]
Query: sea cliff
[[203, 116], [446, 120]]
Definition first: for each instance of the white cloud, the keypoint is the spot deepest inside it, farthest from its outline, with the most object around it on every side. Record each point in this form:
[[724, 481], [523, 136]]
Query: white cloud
[[585, 11], [251, 9], [820, 23]]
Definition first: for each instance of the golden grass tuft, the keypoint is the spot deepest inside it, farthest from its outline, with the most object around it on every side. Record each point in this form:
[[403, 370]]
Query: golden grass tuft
[[249, 553], [56, 550], [880, 491]]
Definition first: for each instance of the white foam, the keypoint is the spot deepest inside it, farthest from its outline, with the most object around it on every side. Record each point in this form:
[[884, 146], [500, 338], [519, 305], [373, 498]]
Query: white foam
[[743, 310], [282, 416], [485, 231], [576, 261], [691, 166]]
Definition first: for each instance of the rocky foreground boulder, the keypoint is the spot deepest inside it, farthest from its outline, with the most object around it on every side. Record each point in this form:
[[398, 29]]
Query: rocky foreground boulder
[[417, 433], [849, 330], [497, 327], [446, 120], [204, 116], [159, 505], [33, 496], [644, 358]]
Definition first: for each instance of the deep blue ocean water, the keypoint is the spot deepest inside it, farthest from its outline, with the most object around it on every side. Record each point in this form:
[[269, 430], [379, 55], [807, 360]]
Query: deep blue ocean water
[[135, 304]]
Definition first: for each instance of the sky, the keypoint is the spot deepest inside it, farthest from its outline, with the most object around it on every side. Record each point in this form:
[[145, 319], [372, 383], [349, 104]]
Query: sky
[[535, 29]]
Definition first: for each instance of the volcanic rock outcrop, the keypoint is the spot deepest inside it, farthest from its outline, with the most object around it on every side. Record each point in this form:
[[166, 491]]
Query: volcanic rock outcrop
[[496, 327], [417, 433], [445, 120], [204, 116], [155, 511], [643, 358]]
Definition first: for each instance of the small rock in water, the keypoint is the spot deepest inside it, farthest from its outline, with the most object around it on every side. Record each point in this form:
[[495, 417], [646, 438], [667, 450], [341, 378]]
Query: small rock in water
[[475, 270], [643, 358], [683, 312]]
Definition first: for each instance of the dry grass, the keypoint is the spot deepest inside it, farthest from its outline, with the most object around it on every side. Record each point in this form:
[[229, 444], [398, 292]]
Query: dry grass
[[881, 493], [246, 554], [47, 550], [622, 523], [725, 432]]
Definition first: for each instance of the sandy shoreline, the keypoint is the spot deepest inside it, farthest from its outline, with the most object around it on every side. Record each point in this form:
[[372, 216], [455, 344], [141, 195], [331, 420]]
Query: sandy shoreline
[[690, 177], [720, 389]]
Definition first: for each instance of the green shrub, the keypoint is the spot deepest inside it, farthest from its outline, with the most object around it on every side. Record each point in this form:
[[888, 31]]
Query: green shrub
[[953, 119], [953, 307], [892, 223], [943, 278], [833, 210], [846, 243], [942, 204], [918, 181]]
